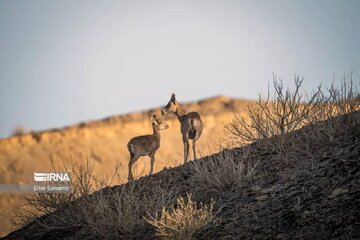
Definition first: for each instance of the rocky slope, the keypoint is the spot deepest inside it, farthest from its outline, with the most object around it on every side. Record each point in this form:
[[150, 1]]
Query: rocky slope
[[311, 194]]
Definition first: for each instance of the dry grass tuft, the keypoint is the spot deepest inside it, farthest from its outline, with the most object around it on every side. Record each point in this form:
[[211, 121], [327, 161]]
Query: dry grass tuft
[[183, 221], [221, 172], [119, 212], [83, 183], [111, 212]]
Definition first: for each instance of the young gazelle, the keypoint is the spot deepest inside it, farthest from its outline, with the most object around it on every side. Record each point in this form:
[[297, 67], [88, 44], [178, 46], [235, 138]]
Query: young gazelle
[[190, 124], [146, 145]]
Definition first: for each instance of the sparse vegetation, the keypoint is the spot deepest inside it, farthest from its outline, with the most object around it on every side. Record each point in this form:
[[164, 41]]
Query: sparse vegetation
[[119, 212], [108, 213], [84, 182], [286, 111], [272, 118], [183, 221], [221, 172]]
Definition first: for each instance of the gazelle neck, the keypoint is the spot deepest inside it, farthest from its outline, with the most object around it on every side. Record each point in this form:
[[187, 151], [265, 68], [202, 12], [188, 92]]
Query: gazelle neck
[[156, 132], [180, 113]]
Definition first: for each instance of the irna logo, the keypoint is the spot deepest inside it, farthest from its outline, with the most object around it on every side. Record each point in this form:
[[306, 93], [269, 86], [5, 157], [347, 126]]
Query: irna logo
[[51, 177]]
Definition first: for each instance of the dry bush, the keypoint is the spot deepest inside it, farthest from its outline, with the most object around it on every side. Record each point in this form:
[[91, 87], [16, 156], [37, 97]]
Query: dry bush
[[120, 212], [183, 221], [342, 100], [18, 131], [83, 182], [94, 207], [273, 118], [286, 111], [326, 123], [113, 212], [220, 172]]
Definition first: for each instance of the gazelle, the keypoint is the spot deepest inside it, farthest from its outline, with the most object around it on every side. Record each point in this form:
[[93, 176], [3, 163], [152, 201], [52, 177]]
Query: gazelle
[[191, 125], [146, 145]]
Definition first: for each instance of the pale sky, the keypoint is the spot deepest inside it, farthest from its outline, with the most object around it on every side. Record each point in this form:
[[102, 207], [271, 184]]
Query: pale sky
[[62, 62]]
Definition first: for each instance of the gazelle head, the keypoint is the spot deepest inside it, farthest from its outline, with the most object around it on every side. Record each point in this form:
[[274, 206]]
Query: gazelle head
[[171, 107], [160, 125]]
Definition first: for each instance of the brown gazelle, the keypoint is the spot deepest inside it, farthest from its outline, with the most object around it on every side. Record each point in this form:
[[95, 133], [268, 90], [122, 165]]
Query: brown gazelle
[[146, 145], [191, 125]]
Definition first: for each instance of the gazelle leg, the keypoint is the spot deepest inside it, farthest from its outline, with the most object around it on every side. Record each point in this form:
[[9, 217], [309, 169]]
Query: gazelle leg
[[186, 149], [194, 148], [131, 163], [152, 156]]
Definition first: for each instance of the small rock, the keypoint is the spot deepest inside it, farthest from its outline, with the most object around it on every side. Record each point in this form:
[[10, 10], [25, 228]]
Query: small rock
[[306, 212], [281, 236], [267, 190], [338, 191], [262, 197], [255, 188]]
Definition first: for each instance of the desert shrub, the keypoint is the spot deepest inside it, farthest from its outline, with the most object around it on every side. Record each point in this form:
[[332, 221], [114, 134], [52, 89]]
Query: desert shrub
[[18, 131], [272, 118], [183, 221], [220, 172], [83, 182], [95, 207], [120, 212]]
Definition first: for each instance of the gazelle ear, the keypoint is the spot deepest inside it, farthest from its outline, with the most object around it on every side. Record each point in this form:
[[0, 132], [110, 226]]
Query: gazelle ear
[[153, 118], [173, 97]]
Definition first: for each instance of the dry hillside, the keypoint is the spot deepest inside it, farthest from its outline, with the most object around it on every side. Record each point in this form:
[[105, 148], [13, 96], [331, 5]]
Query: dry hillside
[[311, 191], [105, 142]]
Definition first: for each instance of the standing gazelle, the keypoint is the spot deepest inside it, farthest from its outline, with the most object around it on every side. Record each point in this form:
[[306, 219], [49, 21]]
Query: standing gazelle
[[190, 124], [146, 145]]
